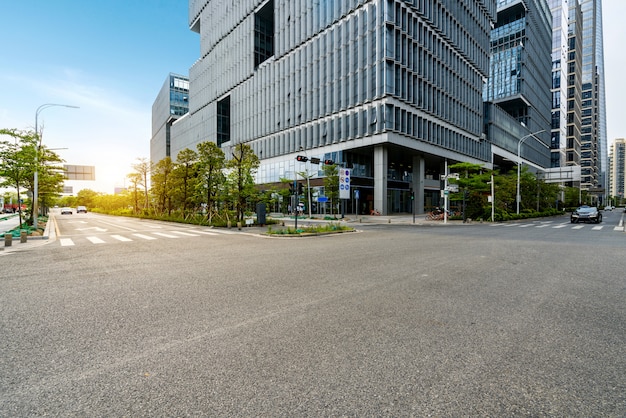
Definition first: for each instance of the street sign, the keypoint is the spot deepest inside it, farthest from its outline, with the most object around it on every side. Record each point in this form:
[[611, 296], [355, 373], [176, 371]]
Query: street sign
[[344, 183], [322, 199]]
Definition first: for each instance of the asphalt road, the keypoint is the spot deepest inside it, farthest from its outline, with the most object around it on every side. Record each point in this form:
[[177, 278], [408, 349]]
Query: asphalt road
[[395, 321]]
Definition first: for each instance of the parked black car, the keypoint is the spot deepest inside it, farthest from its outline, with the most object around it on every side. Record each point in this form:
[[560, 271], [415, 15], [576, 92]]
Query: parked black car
[[586, 214]]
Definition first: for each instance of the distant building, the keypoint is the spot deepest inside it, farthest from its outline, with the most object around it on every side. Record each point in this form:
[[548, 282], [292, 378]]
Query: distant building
[[617, 171], [594, 136], [171, 103]]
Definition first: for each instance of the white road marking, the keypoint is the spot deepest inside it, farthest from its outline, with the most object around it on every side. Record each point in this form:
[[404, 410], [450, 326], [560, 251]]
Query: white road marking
[[204, 232], [578, 227], [66, 242], [121, 238], [95, 240], [597, 228], [144, 236], [187, 234], [162, 234]]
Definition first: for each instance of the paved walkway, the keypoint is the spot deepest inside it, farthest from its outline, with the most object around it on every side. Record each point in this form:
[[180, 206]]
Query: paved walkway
[[9, 222]]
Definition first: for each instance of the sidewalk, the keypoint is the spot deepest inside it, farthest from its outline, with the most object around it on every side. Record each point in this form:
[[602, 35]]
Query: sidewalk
[[372, 219], [9, 222]]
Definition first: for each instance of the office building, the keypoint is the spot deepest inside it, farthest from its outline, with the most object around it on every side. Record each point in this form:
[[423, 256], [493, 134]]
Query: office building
[[171, 103], [518, 92], [391, 89], [594, 135], [617, 171]]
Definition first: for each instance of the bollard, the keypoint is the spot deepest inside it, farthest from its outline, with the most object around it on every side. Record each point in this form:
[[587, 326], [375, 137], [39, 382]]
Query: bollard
[[23, 237], [239, 226], [8, 240]]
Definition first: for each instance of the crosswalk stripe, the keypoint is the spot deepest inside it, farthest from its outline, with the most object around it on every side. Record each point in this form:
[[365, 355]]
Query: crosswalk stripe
[[618, 228], [66, 242], [121, 238], [597, 228], [187, 234], [162, 234], [559, 226], [204, 232], [144, 236], [95, 240], [578, 227]]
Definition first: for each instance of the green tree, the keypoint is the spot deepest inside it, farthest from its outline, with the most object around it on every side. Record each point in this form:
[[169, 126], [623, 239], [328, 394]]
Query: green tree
[[87, 197], [143, 167], [185, 179], [16, 157], [242, 167], [331, 184], [135, 182], [211, 163], [474, 188], [161, 180]]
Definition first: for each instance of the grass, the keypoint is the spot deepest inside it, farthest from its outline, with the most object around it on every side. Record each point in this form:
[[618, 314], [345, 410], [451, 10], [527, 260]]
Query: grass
[[310, 230]]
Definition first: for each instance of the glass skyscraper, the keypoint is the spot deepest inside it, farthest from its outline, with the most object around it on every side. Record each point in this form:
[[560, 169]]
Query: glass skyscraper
[[518, 91], [171, 103], [594, 135]]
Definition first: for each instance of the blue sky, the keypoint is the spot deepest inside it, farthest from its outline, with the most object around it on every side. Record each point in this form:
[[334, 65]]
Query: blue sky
[[111, 57]]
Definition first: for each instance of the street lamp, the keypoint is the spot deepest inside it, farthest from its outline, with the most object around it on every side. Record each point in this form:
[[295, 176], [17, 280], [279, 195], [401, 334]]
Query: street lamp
[[36, 175], [518, 198]]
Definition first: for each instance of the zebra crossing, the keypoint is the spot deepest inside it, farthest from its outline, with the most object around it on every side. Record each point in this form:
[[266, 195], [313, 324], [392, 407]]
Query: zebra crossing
[[552, 225], [146, 236]]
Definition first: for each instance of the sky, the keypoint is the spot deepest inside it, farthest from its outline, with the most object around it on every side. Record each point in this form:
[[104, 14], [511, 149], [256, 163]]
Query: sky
[[111, 57]]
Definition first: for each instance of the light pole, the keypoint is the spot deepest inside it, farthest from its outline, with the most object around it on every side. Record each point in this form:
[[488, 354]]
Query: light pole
[[519, 160], [36, 175]]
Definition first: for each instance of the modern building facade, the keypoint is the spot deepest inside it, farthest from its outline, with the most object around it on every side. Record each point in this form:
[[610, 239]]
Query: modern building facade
[[391, 89], [518, 92], [594, 135], [171, 103], [617, 170]]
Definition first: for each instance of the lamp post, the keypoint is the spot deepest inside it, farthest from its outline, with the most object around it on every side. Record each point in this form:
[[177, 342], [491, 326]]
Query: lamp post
[[36, 175], [519, 160]]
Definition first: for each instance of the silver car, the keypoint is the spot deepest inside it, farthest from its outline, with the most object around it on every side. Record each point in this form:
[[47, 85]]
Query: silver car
[[586, 214]]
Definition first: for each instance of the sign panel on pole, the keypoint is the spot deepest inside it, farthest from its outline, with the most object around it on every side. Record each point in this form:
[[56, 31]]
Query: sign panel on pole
[[344, 183]]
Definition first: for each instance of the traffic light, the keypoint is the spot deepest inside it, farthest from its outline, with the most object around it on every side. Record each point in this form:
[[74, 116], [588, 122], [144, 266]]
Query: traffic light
[[302, 158], [300, 189], [412, 195], [291, 190], [329, 162]]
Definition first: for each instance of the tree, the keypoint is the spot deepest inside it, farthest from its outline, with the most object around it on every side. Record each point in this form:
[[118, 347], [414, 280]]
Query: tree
[[242, 168], [135, 181], [474, 187], [211, 162], [16, 161], [185, 178], [331, 184], [161, 185], [143, 167]]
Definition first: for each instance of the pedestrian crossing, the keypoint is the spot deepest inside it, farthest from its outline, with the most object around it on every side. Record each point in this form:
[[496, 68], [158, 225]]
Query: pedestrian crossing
[[552, 225], [147, 236]]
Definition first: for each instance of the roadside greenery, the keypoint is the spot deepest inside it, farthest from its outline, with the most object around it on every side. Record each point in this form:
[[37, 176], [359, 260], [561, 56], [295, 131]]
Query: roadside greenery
[[310, 229], [538, 197], [204, 186]]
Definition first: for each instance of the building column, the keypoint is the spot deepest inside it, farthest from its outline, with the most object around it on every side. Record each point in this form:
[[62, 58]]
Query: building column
[[380, 179], [419, 171]]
